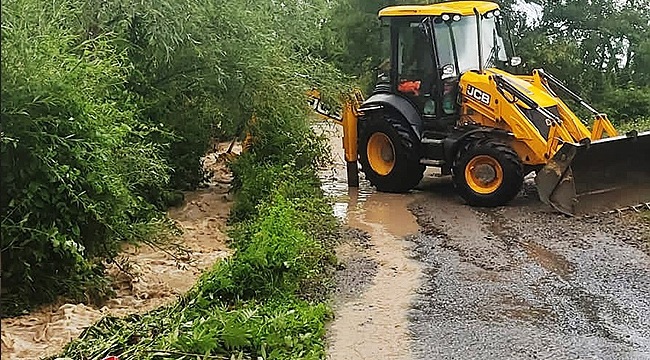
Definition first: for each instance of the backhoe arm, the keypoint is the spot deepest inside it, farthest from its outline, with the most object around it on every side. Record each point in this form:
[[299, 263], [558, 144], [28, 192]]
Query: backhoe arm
[[348, 119]]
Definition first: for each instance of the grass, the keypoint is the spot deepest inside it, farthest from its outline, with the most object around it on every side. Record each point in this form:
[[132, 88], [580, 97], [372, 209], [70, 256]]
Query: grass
[[266, 301]]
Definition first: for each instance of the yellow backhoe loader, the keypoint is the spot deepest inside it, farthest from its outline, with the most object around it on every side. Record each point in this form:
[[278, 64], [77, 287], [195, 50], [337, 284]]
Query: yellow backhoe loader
[[446, 99]]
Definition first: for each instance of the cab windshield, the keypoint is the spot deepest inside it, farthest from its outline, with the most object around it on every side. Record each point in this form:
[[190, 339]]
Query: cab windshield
[[464, 36]]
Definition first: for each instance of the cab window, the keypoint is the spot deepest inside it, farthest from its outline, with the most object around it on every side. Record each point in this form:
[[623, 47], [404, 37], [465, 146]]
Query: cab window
[[415, 67]]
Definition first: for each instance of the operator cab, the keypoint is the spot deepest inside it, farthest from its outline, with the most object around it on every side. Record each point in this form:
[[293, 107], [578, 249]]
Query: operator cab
[[432, 46]]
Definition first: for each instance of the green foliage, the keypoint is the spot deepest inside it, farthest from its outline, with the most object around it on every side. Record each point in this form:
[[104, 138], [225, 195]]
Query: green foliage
[[273, 255], [599, 49], [73, 160], [641, 124], [245, 67], [255, 303], [628, 104], [283, 328], [108, 107]]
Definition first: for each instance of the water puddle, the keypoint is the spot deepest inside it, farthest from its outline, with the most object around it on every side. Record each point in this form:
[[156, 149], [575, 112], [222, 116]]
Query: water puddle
[[549, 260], [373, 325]]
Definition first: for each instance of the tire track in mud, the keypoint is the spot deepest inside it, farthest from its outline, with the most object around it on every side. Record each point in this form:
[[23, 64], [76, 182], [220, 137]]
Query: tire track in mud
[[377, 279], [523, 282]]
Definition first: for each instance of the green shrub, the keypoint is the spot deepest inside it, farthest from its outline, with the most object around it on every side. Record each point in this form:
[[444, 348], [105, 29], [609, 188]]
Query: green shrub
[[254, 303], [641, 124], [273, 255], [282, 328], [73, 160], [628, 104]]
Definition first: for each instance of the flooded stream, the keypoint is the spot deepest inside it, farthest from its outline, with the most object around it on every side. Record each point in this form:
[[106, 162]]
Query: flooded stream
[[152, 276]]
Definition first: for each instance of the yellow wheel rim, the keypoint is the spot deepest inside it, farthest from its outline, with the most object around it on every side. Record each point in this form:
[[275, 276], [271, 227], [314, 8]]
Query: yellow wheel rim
[[381, 153], [484, 174]]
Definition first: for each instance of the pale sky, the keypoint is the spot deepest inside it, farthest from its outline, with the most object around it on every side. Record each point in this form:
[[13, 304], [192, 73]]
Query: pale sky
[[533, 11]]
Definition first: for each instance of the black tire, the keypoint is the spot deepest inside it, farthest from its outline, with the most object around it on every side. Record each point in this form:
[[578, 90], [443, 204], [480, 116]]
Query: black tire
[[495, 192], [407, 171]]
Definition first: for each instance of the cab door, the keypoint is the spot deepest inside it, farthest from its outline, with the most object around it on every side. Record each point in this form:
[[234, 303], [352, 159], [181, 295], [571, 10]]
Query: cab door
[[414, 74]]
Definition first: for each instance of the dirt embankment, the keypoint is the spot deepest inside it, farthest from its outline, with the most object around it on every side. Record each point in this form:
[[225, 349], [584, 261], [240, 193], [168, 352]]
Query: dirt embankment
[[153, 276]]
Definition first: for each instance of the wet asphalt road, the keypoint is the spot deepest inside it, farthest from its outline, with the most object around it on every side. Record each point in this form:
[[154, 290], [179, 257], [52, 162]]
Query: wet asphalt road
[[522, 282]]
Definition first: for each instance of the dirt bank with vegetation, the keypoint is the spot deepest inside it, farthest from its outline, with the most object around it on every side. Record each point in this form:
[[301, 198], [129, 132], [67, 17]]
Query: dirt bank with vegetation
[[265, 300], [106, 116]]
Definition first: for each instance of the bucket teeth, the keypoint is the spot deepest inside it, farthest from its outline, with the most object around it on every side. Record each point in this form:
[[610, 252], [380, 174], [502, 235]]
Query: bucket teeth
[[555, 183]]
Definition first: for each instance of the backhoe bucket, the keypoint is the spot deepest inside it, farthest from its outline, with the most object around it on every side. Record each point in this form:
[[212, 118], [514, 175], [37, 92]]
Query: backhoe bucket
[[604, 175]]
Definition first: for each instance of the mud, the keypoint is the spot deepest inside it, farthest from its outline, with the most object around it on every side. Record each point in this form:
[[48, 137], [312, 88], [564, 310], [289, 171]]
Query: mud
[[149, 277], [515, 282], [356, 267], [524, 282], [376, 279]]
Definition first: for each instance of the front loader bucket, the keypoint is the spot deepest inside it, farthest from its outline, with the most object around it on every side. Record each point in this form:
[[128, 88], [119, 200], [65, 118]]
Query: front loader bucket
[[603, 175]]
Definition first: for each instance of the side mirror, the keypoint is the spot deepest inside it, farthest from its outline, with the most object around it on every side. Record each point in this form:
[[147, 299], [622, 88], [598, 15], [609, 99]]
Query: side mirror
[[448, 71], [515, 61]]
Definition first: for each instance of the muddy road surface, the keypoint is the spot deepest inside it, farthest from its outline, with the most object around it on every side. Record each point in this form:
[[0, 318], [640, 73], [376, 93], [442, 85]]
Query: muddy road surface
[[522, 282], [516, 282], [377, 279]]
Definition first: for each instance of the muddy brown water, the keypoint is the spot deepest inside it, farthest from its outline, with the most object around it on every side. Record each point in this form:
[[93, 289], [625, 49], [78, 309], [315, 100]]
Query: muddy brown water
[[154, 276], [379, 279], [515, 282]]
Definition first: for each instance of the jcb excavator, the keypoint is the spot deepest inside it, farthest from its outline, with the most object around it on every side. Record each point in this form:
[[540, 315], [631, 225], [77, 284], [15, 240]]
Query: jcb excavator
[[446, 100]]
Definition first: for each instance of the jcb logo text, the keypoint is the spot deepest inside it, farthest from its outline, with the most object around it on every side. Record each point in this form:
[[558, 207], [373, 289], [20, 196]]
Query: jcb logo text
[[478, 95]]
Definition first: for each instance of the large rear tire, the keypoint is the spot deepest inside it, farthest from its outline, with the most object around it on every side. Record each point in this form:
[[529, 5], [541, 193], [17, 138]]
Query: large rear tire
[[488, 173], [389, 154]]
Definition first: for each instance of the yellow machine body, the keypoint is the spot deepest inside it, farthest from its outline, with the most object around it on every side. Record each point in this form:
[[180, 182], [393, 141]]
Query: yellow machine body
[[462, 8], [502, 113], [575, 163]]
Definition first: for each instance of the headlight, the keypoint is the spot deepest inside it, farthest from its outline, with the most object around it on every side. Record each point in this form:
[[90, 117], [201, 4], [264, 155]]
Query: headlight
[[497, 13], [446, 17], [456, 17]]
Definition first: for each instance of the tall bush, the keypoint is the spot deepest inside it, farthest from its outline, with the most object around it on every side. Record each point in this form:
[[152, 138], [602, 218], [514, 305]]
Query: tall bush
[[108, 106], [73, 157]]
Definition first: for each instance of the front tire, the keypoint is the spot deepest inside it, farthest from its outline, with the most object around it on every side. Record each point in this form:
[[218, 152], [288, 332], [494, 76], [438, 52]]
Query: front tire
[[488, 173], [389, 154]]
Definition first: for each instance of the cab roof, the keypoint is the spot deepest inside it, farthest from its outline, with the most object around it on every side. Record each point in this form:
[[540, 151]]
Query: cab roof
[[452, 7]]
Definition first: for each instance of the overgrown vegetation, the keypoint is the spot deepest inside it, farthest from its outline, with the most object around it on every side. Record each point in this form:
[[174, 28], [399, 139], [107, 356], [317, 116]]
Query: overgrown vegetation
[[266, 300], [75, 159], [263, 302], [108, 107]]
